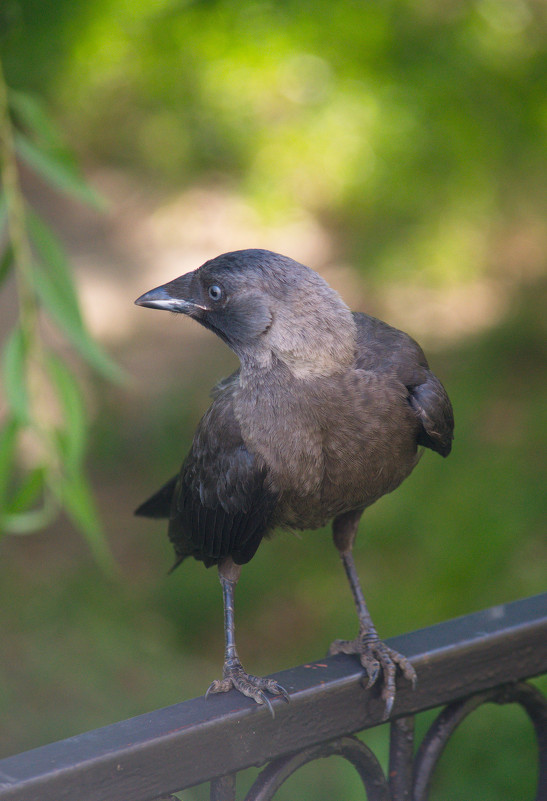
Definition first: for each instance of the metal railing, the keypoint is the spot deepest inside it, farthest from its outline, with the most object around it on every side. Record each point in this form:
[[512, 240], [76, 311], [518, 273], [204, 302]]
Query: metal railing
[[461, 664]]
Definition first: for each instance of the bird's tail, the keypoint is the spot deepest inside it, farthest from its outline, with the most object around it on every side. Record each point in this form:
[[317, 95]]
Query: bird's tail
[[177, 563], [159, 505]]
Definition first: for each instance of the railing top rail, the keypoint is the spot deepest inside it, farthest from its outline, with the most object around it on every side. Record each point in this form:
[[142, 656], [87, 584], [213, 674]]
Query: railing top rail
[[182, 745]]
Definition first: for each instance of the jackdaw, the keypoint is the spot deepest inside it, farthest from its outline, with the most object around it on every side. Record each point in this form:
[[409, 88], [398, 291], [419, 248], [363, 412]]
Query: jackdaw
[[326, 413]]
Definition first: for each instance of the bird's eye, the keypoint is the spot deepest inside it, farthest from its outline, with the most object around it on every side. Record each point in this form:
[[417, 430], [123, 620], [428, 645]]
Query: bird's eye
[[215, 292]]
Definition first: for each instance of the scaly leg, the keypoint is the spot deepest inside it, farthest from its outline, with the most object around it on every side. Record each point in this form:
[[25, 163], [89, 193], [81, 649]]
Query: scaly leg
[[373, 653], [233, 674]]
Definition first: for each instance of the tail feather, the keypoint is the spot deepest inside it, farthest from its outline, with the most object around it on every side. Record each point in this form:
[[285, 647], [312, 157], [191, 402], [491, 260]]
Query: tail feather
[[159, 505], [177, 563]]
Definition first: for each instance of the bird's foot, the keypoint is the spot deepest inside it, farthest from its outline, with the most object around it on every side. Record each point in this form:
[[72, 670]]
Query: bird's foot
[[375, 655], [253, 687]]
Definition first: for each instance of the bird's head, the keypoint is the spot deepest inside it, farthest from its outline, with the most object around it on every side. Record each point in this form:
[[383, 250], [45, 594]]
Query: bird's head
[[265, 307]]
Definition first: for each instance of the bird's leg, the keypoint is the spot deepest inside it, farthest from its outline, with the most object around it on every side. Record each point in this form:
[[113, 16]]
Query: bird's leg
[[373, 653], [234, 675]]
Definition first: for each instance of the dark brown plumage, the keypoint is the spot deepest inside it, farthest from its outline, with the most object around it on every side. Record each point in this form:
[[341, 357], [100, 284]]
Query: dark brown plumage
[[325, 415]]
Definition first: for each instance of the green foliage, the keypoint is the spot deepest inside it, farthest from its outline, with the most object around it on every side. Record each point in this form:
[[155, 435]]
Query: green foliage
[[43, 434], [401, 124], [45, 153]]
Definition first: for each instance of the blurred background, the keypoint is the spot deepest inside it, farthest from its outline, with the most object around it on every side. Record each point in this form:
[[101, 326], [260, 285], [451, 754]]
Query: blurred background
[[397, 147]]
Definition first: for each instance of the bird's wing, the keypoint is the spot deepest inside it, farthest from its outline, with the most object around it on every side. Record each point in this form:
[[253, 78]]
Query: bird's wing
[[434, 411], [159, 504], [221, 504], [380, 347]]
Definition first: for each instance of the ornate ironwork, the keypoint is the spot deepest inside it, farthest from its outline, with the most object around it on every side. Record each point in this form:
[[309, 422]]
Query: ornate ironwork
[[409, 777], [350, 748], [438, 735]]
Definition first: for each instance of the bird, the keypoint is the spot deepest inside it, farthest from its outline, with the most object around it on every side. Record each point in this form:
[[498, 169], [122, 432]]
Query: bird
[[328, 411]]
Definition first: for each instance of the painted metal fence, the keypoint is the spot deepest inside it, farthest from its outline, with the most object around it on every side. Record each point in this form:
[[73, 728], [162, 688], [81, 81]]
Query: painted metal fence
[[485, 657]]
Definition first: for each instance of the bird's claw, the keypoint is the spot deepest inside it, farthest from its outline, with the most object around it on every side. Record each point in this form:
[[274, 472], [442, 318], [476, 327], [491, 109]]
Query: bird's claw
[[374, 656], [253, 687]]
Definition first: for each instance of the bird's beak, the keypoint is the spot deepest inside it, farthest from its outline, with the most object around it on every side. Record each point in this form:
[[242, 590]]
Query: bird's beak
[[159, 298], [174, 296]]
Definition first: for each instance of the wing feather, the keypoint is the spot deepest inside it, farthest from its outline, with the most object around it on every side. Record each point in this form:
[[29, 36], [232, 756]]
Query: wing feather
[[382, 348], [221, 505]]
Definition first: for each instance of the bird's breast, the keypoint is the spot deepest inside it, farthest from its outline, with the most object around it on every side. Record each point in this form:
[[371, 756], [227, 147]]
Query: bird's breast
[[329, 445]]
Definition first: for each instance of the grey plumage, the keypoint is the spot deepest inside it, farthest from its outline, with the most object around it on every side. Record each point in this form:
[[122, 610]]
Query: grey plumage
[[325, 415]]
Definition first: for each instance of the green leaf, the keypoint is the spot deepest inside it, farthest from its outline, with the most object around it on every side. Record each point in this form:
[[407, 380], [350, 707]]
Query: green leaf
[[27, 494], [6, 262], [3, 211], [55, 288], [15, 515], [46, 151], [53, 255], [75, 495], [8, 443], [31, 114], [57, 171], [14, 376], [67, 318], [72, 437], [29, 522]]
